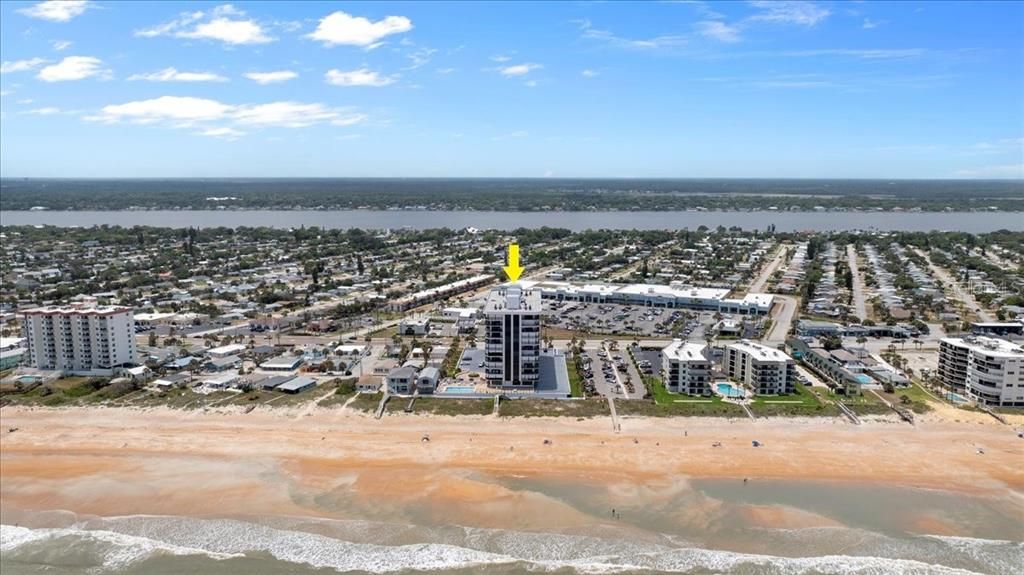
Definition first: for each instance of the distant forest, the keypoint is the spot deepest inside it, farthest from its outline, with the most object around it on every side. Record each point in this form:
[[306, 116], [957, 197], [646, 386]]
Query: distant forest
[[509, 194]]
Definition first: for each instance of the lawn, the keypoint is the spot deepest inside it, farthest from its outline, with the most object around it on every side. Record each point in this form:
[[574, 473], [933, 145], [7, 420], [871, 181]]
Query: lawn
[[808, 404], [575, 379], [594, 407], [667, 404], [440, 406], [713, 407], [342, 393], [367, 402], [865, 404], [920, 401]]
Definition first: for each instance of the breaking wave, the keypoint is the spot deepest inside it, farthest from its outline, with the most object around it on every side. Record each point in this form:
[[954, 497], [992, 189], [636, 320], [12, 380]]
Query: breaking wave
[[114, 544]]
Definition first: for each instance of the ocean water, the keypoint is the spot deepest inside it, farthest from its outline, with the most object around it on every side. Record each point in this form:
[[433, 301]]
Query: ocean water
[[701, 527]]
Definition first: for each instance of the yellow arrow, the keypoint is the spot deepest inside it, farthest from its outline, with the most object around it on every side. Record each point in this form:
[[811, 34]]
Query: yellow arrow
[[513, 270]]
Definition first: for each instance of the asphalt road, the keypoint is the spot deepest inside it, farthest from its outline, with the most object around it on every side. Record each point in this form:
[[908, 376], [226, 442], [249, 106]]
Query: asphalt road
[[782, 315], [767, 271], [859, 303], [958, 291]]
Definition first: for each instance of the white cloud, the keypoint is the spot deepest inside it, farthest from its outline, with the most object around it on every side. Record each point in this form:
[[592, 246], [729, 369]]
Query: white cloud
[[869, 23], [227, 10], [1015, 171], [57, 10], [446, 71], [349, 119], [519, 69], [171, 28], [73, 68], [295, 115], [789, 12], [200, 113], [702, 8], [867, 54], [588, 73], [655, 43], [61, 45], [500, 58], [265, 78], [530, 83], [229, 32], [47, 111], [719, 31], [25, 101], [222, 132], [419, 57], [341, 28], [165, 108], [173, 75], [9, 66], [1001, 146], [360, 77], [6, 92], [512, 135], [223, 24]]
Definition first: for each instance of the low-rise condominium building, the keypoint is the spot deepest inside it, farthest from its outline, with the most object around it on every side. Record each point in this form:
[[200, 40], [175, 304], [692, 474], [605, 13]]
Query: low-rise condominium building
[[766, 370]]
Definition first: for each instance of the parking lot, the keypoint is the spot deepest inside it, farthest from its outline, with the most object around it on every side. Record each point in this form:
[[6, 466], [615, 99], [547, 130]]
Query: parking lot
[[618, 319], [611, 373]]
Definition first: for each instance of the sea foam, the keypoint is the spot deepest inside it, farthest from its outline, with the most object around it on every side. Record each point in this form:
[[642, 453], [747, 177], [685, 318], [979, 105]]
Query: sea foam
[[128, 540]]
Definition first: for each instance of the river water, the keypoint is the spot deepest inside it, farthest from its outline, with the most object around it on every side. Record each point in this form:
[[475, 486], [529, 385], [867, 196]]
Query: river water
[[974, 222]]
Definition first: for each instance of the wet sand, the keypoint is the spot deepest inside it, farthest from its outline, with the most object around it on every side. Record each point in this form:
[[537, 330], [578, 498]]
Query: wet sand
[[339, 464]]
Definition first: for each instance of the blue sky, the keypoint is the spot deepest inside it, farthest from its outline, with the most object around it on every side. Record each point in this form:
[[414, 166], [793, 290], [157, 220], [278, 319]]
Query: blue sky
[[573, 89]]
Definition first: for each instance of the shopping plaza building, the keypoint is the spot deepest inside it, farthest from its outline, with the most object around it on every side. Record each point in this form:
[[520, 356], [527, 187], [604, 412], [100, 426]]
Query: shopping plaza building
[[674, 295]]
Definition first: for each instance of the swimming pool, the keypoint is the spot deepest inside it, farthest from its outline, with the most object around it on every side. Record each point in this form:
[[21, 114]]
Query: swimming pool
[[459, 389], [955, 397], [729, 390], [862, 379]]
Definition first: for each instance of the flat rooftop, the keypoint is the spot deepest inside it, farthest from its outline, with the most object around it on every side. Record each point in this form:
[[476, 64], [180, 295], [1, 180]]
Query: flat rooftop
[[759, 352], [513, 297], [675, 291], [685, 351], [992, 346], [77, 310]]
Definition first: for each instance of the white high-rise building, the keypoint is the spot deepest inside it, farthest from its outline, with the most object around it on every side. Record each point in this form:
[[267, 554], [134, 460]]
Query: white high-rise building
[[80, 339], [685, 369], [989, 369], [512, 348], [767, 370]]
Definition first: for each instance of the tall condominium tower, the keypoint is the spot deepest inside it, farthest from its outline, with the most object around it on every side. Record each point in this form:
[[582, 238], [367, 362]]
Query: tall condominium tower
[[512, 349]]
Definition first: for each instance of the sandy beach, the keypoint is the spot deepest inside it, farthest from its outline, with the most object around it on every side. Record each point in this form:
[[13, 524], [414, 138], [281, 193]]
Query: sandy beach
[[162, 490], [108, 461]]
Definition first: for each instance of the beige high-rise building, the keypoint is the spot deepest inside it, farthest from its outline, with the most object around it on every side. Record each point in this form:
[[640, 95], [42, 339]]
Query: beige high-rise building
[[80, 339]]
